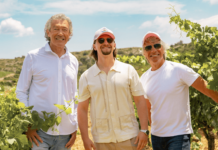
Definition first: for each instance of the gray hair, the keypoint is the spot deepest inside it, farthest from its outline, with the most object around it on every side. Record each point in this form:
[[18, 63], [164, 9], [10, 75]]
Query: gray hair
[[165, 47], [58, 17]]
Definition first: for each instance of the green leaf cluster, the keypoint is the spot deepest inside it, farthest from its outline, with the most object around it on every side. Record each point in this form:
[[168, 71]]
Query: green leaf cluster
[[132, 59], [12, 123], [138, 62], [204, 60], [15, 118]]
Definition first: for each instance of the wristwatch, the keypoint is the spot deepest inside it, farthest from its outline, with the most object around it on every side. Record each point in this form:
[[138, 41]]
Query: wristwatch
[[145, 131]]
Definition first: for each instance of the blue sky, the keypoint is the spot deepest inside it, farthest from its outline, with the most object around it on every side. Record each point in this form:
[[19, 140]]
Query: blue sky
[[22, 21]]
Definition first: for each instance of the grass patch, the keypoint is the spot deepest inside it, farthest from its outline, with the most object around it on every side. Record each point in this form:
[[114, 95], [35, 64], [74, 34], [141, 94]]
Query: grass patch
[[3, 73]]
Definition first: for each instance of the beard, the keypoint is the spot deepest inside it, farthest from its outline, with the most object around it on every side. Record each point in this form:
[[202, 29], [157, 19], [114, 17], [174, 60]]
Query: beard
[[106, 52]]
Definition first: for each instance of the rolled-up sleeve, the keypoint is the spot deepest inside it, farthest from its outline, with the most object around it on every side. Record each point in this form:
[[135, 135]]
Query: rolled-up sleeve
[[25, 79], [135, 83], [84, 92]]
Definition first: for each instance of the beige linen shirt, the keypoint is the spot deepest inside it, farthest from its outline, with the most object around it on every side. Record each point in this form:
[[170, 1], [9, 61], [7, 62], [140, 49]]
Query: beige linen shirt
[[112, 111]]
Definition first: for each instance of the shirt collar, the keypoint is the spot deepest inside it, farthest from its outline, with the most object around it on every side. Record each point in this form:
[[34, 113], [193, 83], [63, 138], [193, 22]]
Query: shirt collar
[[115, 67], [96, 69], [48, 49]]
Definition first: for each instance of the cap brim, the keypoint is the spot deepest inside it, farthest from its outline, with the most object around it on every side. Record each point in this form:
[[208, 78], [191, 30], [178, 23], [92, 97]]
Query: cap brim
[[150, 35]]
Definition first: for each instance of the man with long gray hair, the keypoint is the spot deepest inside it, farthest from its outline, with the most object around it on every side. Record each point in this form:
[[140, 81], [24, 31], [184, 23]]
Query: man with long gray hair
[[166, 85], [48, 77]]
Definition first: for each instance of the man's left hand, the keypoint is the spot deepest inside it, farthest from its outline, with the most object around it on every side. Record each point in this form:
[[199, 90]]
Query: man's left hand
[[72, 140], [142, 140]]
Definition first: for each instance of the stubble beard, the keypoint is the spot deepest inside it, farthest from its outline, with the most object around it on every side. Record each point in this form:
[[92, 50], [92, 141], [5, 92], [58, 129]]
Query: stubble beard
[[107, 52]]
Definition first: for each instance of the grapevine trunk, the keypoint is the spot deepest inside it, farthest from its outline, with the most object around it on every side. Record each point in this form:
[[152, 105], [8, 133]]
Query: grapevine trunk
[[210, 136]]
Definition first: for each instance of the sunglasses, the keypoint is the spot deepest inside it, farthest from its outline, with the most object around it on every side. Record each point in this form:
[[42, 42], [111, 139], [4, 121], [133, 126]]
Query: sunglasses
[[149, 47], [101, 40]]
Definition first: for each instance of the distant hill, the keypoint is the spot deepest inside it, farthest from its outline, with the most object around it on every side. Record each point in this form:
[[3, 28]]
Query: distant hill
[[11, 68]]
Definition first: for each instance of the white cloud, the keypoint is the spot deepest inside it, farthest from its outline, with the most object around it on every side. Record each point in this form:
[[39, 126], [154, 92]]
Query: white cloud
[[212, 1], [170, 33], [12, 6], [128, 7], [162, 26], [211, 21], [11, 26], [6, 5], [88, 7], [4, 15], [146, 24]]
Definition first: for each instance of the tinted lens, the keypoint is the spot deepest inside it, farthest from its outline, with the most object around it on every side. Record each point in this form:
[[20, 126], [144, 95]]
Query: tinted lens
[[148, 48], [157, 46], [101, 40], [109, 40]]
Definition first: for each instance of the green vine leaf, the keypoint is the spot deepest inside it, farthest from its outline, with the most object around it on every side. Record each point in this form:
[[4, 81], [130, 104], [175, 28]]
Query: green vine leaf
[[68, 111], [58, 120], [21, 105], [62, 107]]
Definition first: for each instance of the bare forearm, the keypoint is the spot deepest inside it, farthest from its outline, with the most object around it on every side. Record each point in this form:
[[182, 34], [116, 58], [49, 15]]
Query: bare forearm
[[201, 85], [213, 95], [149, 110], [83, 123], [143, 114], [149, 117], [210, 93]]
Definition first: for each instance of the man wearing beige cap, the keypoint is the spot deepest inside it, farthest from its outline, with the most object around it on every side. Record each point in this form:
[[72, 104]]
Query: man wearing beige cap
[[166, 85], [109, 86]]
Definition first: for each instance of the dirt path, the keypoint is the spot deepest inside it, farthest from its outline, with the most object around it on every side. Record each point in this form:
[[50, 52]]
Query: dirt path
[[9, 75], [204, 144]]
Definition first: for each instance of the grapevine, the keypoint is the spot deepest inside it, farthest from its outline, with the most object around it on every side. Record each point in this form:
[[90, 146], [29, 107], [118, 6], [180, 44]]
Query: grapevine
[[204, 60], [15, 118]]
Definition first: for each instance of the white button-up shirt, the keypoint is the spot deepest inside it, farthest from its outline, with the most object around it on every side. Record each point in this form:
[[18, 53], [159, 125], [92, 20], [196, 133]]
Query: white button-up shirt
[[46, 80]]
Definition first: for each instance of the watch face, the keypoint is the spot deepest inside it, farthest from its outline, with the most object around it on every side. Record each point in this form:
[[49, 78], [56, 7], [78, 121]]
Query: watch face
[[145, 131]]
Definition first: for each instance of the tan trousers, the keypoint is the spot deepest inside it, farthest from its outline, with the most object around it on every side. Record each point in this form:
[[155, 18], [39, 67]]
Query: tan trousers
[[125, 145]]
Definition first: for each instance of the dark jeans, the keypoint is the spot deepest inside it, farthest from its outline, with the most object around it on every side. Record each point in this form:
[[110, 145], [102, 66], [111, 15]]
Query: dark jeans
[[178, 142]]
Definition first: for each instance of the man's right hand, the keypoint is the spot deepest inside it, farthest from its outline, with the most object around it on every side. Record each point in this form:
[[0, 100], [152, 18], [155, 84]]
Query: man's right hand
[[33, 136], [89, 145]]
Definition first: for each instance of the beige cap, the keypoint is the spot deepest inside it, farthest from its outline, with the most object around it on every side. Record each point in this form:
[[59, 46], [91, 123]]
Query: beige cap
[[149, 34], [103, 31]]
